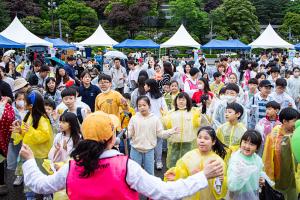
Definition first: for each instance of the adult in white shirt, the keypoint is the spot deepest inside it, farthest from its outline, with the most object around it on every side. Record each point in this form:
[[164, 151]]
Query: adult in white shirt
[[296, 60], [98, 130], [119, 76], [280, 96]]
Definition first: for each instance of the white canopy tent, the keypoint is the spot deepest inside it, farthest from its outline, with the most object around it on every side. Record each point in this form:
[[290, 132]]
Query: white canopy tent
[[181, 39], [17, 32], [99, 38], [269, 39]]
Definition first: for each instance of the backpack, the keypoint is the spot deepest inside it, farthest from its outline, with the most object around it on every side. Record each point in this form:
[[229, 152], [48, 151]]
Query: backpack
[[78, 114]]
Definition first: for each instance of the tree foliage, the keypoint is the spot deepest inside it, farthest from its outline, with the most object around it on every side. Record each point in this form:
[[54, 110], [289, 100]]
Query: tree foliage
[[236, 19], [22, 8], [77, 13], [291, 23], [194, 19], [99, 6], [4, 17], [37, 25], [130, 14], [270, 11], [211, 5], [82, 32]]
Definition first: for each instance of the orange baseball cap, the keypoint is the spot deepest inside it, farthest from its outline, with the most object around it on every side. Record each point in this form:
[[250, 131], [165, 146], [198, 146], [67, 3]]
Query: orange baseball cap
[[99, 126]]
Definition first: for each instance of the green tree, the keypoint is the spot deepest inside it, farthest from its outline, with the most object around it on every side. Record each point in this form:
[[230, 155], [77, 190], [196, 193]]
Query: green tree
[[188, 13], [4, 17], [37, 25], [76, 13], [291, 23], [293, 7], [270, 11], [22, 8], [82, 32], [236, 19]]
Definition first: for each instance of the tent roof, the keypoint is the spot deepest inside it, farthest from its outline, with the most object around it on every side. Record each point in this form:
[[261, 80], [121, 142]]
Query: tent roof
[[181, 38], [225, 44], [270, 39], [59, 43], [17, 32], [137, 44], [6, 43], [297, 46], [98, 38]]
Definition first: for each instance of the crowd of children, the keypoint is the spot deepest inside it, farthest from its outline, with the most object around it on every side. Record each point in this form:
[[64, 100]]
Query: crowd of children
[[229, 127]]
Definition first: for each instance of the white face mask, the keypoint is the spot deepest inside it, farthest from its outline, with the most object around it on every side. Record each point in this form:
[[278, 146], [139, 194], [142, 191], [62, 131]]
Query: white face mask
[[105, 92], [20, 103], [200, 87], [229, 99]]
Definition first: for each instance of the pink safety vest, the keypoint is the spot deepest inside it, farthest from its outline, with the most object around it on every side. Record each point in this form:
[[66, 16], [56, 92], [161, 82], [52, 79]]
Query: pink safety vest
[[107, 182], [192, 85]]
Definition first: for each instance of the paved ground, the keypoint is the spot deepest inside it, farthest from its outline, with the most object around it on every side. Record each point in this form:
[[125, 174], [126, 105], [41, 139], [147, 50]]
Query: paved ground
[[16, 193]]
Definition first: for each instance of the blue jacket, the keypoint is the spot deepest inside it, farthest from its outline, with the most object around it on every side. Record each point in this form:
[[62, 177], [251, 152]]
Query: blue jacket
[[70, 70], [88, 95]]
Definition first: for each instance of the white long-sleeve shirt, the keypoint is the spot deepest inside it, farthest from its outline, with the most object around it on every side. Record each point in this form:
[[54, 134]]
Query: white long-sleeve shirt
[[137, 178]]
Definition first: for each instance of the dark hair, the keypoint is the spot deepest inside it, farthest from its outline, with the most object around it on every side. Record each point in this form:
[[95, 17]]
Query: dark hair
[[104, 77], [253, 136], [131, 62], [273, 104], [253, 81], [222, 91], [167, 83], [296, 68], [144, 73], [258, 75], [237, 108], [288, 114], [117, 59], [35, 99], [184, 67], [188, 101], [274, 69], [281, 82], [174, 81], [50, 103], [18, 93], [68, 92], [46, 84], [70, 58], [141, 84], [84, 73], [58, 77], [206, 84], [204, 98], [44, 68], [72, 119], [86, 154], [154, 89], [233, 87], [126, 95], [144, 98], [219, 148], [168, 68], [37, 63], [194, 71], [216, 75]]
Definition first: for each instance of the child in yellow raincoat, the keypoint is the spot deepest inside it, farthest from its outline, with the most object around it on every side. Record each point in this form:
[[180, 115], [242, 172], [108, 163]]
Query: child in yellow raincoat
[[35, 130], [277, 157], [209, 148], [231, 132], [189, 121]]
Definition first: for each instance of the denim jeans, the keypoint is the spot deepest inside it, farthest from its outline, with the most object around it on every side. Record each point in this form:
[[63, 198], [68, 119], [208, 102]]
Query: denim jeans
[[144, 159], [158, 150], [12, 155]]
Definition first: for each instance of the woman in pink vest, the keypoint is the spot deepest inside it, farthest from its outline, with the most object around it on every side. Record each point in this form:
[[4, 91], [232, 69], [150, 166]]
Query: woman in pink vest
[[191, 84], [100, 172]]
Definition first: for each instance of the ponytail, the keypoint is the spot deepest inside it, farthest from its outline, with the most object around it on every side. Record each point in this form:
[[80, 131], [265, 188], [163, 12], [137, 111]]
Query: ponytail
[[87, 154]]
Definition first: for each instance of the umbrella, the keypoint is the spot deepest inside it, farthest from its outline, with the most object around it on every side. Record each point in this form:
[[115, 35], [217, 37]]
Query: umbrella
[[9, 53], [115, 54]]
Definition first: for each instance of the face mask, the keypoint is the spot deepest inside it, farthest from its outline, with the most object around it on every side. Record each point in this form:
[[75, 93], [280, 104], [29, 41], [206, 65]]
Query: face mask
[[20, 103], [229, 99], [90, 66], [200, 87]]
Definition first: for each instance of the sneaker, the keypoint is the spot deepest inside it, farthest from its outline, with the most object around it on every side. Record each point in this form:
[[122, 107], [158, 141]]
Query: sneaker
[[159, 165], [3, 190], [18, 181]]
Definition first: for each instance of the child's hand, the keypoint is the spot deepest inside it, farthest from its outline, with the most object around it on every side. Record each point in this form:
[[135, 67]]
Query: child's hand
[[261, 182], [57, 146], [26, 127], [55, 115], [16, 127], [170, 176], [26, 153], [176, 130]]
